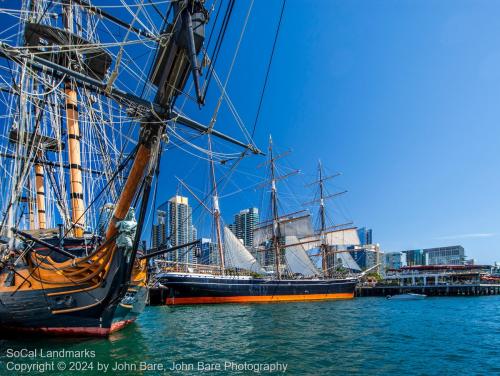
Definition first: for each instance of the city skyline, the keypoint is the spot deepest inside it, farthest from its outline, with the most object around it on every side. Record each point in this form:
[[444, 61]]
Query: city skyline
[[246, 219]]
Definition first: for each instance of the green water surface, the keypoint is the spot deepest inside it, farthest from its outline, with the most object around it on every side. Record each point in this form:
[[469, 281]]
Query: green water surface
[[364, 336]]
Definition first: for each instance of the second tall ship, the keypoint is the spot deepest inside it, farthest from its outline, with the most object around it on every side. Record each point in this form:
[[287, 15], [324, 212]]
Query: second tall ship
[[284, 241]]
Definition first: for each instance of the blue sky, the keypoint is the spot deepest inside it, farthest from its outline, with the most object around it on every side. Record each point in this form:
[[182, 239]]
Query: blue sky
[[400, 96]]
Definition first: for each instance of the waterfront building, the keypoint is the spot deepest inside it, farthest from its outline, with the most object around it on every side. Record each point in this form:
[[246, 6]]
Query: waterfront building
[[174, 227], [453, 255], [244, 225], [435, 275], [393, 260]]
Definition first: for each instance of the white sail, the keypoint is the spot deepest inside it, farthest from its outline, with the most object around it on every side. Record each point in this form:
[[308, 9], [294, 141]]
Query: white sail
[[333, 238], [348, 261], [262, 234], [236, 255], [342, 237], [288, 226], [297, 259]]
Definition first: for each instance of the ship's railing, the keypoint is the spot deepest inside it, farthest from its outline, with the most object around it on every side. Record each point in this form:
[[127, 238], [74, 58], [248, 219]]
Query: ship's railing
[[187, 267]]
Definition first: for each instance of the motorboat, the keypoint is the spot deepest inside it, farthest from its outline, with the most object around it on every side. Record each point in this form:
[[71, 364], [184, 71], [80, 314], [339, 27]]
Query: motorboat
[[409, 296]]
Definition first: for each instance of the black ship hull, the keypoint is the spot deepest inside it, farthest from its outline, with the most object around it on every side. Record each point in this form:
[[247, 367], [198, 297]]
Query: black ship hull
[[185, 288], [99, 320]]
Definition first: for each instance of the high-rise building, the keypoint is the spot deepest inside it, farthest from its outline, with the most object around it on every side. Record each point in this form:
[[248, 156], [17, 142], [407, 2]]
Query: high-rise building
[[174, 227], [208, 252], [365, 236], [160, 232], [104, 218], [244, 225]]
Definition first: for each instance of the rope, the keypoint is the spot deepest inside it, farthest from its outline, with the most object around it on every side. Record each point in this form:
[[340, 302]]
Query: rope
[[268, 68], [219, 102]]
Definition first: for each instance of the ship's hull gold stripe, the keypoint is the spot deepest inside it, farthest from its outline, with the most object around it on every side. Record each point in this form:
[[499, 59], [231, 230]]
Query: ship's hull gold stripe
[[55, 312], [256, 299], [72, 291]]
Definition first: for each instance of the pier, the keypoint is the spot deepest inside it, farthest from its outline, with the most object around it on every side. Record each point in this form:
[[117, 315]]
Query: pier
[[435, 280], [479, 289]]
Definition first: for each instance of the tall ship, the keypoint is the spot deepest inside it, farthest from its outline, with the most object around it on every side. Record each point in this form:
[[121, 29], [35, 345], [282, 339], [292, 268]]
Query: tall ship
[[280, 267], [88, 97]]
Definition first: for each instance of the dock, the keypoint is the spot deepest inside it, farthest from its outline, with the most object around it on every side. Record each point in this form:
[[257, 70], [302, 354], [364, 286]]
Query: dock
[[434, 280], [430, 290]]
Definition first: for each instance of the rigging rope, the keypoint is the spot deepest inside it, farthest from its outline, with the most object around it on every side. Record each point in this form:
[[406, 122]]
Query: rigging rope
[[268, 68]]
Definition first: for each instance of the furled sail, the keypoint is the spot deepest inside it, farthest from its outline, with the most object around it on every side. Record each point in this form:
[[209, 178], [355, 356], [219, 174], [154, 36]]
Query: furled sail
[[288, 226], [236, 255], [297, 259]]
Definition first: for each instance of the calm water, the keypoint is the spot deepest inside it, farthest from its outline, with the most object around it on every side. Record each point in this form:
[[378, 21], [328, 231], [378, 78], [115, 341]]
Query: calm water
[[369, 336]]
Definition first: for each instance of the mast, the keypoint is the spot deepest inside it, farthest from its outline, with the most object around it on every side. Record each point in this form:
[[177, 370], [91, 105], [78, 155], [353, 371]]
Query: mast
[[216, 211], [323, 244], [40, 197], [73, 128], [274, 209], [322, 214], [39, 171], [31, 207]]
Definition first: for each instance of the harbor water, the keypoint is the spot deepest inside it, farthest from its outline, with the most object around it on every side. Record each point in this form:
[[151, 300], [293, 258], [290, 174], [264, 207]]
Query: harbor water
[[365, 336]]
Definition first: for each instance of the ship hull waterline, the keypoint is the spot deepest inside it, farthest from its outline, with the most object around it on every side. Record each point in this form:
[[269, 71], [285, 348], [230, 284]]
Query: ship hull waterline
[[184, 289]]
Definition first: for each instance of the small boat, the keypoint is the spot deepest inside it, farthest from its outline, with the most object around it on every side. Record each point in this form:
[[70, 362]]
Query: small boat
[[408, 296]]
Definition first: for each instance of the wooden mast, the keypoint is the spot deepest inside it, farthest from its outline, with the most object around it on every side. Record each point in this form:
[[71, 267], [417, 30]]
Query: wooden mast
[[39, 171], [40, 197], [216, 211], [31, 207], [73, 128], [131, 185], [323, 221], [274, 209], [325, 251]]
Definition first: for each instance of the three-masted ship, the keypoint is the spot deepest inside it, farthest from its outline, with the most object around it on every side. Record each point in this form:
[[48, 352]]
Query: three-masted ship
[[80, 145], [280, 267]]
